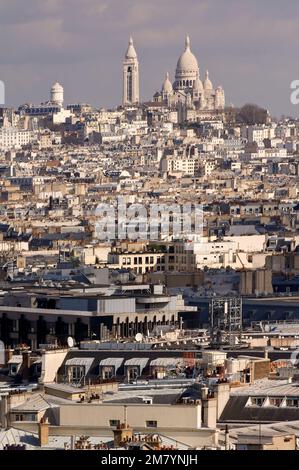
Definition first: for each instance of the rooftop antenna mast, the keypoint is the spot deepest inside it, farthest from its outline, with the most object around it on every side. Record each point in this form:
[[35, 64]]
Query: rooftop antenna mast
[[125, 416]]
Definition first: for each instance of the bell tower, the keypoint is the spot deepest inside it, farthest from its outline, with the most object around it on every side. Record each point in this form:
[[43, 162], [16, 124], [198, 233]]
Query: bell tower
[[130, 76]]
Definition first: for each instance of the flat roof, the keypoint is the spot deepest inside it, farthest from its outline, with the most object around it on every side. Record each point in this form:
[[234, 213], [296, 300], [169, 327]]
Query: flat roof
[[46, 311]]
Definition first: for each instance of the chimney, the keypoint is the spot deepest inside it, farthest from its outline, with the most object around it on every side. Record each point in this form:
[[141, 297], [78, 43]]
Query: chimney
[[226, 438], [5, 406], [204, 393], [26, 359], [8, 355], [209, 413], [123, 433], [43, 432], [25, 365], [221, 392], [266, 354]]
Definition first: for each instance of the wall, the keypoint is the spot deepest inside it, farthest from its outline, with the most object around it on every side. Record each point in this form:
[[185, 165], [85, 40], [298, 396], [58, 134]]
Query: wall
[[249, 243], [260, 369], [222, 392], [51, 361], [167, 416]]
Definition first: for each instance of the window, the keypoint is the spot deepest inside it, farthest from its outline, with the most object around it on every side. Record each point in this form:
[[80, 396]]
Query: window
[[275, 401], [148, 401], [30, 417], [13, 369], [151, 424], [257, 401], [77, 372], [114, 422], [293, 402]]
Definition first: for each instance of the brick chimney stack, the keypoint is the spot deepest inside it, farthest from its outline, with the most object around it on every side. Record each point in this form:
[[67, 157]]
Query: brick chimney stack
[[25, 365], [43, 432]]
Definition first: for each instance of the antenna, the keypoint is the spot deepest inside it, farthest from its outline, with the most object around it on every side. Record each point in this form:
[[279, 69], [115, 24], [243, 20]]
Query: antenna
[[125, 416], [70, 342]]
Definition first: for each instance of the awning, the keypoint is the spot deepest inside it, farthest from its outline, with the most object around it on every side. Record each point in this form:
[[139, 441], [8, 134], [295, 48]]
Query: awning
[[37, 361], [115, 362], [16, 360], [80, 361], [140, 362], [169, 362]]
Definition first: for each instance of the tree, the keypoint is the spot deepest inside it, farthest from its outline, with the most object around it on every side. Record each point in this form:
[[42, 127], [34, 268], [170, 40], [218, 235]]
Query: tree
[[251, 114]]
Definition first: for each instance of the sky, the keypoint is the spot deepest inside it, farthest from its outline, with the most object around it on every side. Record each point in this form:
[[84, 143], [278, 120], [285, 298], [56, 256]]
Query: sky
[[251, 48]]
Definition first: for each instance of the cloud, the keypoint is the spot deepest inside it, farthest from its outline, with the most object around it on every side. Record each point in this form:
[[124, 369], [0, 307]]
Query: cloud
[[249, 47]]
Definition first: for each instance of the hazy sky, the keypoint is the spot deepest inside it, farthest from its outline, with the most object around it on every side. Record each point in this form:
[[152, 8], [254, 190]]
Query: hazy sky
[[250, 47]]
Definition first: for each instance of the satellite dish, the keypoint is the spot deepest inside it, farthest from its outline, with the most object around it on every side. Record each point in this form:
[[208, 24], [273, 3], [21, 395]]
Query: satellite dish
[[139, 337], [70, 342]]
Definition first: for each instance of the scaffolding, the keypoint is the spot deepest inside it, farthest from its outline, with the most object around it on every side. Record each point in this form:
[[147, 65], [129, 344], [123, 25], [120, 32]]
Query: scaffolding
[[225, 315]]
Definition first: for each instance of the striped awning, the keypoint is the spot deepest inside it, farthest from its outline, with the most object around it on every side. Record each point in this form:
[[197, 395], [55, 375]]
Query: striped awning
[[80, 361]]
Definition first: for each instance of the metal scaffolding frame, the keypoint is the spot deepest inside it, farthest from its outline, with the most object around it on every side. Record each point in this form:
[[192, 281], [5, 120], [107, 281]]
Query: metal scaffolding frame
[[225, 315]]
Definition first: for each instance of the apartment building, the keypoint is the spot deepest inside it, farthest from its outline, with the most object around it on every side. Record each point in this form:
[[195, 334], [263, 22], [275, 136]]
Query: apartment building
[[11, 138]]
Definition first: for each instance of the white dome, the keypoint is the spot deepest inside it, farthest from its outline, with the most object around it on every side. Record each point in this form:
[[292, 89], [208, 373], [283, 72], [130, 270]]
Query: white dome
[[131, 53], [167, 85], [207, 83], [57, 94], [197, 85], [187, 62], [57, 87]]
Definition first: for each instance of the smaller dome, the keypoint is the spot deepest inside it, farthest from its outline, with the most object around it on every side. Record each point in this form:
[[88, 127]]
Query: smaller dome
[[167, 85], [131, 53], [207, 83], [197, 85]]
